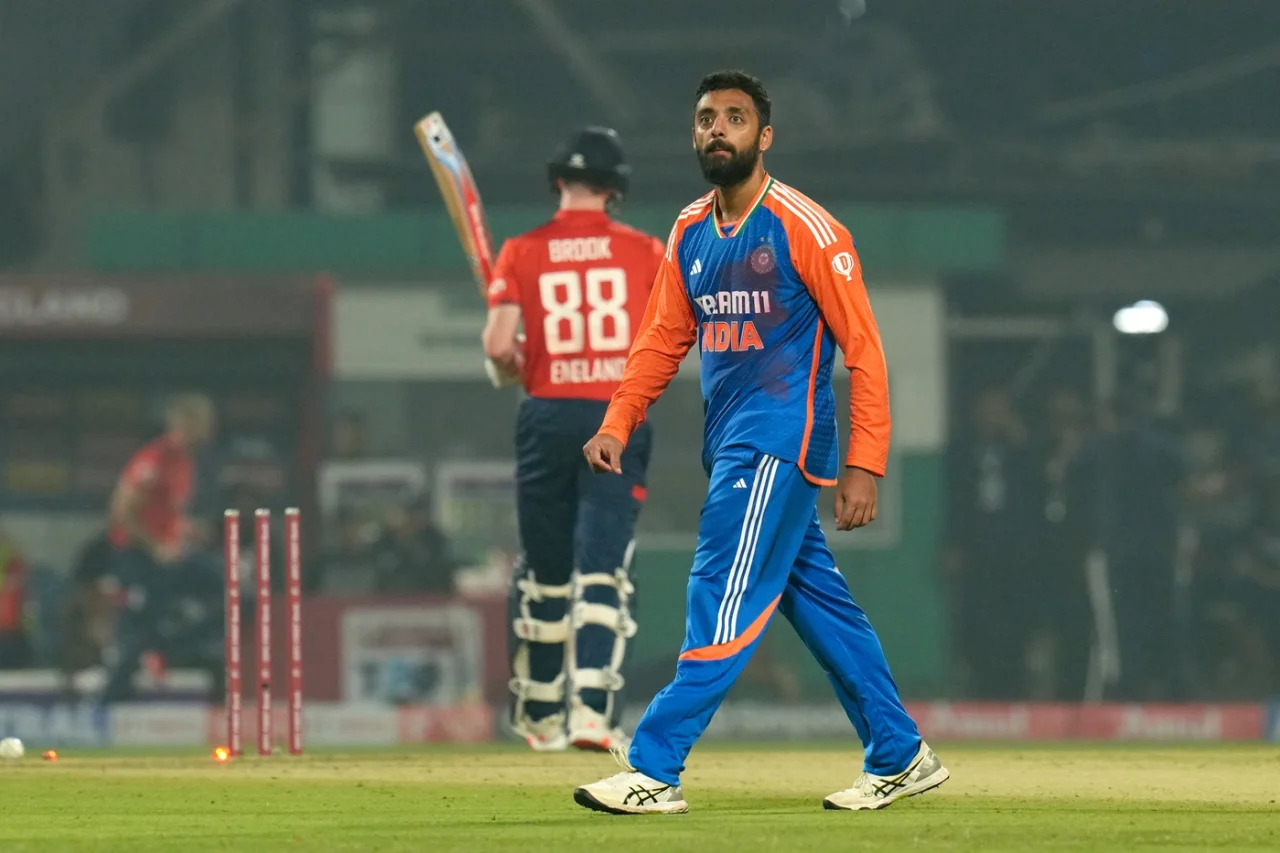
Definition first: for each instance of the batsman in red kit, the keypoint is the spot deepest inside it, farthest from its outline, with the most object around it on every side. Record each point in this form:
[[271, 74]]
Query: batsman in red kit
[[578, 285], [152, 535]]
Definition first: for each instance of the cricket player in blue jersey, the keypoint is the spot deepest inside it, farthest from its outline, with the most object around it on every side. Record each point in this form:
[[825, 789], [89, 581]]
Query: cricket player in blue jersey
[[768, 285]]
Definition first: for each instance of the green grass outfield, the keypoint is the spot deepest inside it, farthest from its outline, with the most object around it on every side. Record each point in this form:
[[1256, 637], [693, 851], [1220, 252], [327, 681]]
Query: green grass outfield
[[1014, 798]]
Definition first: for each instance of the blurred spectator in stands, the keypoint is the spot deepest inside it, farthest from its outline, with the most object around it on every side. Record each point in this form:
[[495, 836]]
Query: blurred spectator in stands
[[15, 645], [1217, 490], [349, 567], [1059, 656], [1245, 615], [350, 436], [413, 554], [1261, 441], [990, 562], [1133, 485], [1221, 504], [151, 537]]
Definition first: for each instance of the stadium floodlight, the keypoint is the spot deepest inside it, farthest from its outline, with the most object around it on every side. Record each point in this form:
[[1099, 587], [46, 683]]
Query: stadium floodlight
[[1145, 317]]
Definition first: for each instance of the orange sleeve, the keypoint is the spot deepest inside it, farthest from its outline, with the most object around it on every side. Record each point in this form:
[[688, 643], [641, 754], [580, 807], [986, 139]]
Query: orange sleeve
[[833, 275], [504, 288], [666, 333], [659, 251]]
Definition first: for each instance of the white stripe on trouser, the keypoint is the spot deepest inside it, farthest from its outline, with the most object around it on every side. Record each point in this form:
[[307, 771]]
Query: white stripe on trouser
[[745, 574], [746, 539], [743, 538]]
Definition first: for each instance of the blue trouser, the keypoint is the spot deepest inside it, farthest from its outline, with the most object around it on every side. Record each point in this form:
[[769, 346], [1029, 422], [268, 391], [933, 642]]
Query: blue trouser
[[761, 549], [571, 518]]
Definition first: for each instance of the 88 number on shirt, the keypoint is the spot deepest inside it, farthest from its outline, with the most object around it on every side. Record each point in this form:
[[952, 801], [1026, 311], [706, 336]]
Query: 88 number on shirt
[[585, 311]]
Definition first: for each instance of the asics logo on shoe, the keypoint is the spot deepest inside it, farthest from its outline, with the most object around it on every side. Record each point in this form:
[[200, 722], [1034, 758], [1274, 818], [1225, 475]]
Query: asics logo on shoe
[[644, 795]]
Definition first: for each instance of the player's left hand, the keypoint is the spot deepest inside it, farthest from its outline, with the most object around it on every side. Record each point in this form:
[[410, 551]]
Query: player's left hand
[[855, 499]]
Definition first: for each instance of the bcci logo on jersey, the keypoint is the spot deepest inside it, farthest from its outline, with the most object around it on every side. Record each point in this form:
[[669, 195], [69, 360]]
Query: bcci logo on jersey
[[762, 260], [733, 335]]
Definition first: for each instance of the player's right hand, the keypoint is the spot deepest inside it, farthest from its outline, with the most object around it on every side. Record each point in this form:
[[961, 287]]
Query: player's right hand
[[604, 453], [500, 376]]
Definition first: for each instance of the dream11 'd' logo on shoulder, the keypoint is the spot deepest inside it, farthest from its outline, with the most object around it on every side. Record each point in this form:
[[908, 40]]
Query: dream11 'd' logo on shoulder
[[843, 264]]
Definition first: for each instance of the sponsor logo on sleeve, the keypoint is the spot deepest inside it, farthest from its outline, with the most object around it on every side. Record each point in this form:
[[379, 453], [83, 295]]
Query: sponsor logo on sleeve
[[843, 264]]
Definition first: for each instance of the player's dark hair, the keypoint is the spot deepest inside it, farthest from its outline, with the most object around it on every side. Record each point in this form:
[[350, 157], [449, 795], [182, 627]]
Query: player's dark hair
[[719, 81]]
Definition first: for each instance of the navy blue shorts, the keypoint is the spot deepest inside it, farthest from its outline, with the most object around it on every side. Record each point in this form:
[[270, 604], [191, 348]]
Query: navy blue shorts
[[570, 516]]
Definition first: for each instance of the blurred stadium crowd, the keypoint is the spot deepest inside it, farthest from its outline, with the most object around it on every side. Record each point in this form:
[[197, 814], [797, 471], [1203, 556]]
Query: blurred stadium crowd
[[1121, 550]]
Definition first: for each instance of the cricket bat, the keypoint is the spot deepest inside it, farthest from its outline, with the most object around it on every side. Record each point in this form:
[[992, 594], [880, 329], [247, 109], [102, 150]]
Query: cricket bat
[[460, 195]]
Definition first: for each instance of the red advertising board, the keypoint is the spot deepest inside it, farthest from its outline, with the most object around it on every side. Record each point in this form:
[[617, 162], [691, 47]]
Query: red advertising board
[[324, 724], [1035, 721]]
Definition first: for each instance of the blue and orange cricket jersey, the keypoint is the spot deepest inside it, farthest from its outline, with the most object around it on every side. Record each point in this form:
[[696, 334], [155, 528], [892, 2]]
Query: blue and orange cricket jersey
[[767, 300]]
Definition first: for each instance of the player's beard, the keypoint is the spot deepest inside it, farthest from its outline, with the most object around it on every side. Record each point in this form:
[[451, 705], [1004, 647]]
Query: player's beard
[[731, 170]]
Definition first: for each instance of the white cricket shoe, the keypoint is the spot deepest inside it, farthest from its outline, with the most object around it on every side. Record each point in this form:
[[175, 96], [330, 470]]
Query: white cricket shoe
[[924, 773], [590, 730], [631, 792], [545, 735]]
